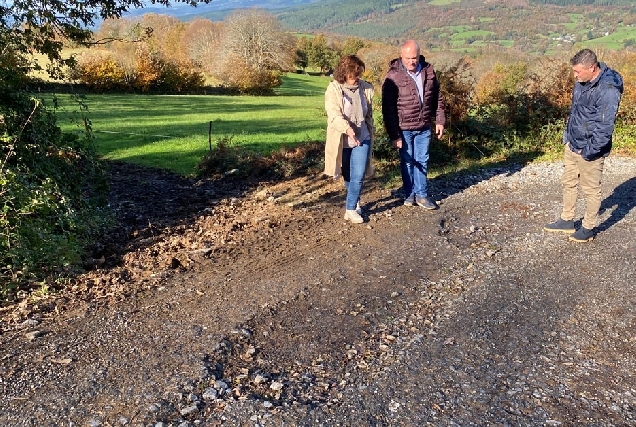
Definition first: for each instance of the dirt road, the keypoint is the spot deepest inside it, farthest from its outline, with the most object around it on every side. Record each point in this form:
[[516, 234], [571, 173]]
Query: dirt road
[[232, 306]]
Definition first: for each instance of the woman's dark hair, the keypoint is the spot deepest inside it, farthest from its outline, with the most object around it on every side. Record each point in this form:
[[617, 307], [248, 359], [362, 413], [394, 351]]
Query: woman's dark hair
[[350, 65]]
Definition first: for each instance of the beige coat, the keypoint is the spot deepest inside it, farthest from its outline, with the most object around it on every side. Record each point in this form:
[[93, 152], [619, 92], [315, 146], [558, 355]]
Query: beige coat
[[337, 126]]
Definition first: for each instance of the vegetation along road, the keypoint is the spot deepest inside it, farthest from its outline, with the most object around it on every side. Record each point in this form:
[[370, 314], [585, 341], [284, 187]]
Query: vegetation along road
[[172, 255]]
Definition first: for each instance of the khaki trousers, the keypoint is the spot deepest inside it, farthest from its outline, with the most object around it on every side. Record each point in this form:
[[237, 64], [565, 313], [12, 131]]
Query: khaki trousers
[[588, 175]]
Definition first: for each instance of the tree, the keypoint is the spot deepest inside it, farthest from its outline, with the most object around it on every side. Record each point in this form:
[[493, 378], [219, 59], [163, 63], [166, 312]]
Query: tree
[[166, 35], [302, 48], [376, 60], [255, 50], [201, 40], [44, 27], [351, 46], [258, 37], [320, 55]]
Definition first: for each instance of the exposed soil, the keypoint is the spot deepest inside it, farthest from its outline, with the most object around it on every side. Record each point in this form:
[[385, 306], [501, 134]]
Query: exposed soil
[[228, 302]]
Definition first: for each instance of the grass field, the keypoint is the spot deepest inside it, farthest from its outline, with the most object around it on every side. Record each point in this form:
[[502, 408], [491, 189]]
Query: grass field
[[472, 33], [443, 2], [172, 131], [614, 41]]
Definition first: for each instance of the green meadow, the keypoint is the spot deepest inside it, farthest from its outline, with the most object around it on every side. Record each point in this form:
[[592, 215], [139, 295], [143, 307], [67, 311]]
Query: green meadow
[[443, 2], [469, 34], [615, 40], [175, 131]]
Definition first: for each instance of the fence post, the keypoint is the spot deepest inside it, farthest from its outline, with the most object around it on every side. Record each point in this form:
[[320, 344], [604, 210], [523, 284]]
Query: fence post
[[210, 135]]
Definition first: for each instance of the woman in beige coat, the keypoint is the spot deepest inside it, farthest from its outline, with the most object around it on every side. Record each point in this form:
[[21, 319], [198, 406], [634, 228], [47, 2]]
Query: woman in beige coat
[[349, 131]]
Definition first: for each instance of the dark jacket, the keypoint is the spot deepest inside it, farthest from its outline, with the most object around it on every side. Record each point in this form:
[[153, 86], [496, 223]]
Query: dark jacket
[[401, 105], [594, 107]]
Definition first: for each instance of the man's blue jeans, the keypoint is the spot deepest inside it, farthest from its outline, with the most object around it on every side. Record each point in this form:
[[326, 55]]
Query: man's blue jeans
[[354, 163], [414, 161]]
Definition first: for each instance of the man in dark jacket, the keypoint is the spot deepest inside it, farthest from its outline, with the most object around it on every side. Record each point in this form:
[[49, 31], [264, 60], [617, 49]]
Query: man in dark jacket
[[411, 102], [588, 140]]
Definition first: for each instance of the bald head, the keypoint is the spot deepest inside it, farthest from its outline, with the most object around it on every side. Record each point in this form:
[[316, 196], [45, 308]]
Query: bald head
[[410, 55]]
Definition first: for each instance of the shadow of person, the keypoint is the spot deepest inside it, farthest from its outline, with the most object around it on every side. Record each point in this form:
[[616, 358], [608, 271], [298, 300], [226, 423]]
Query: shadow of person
[[445, 185], [383, 204], [622, 200]]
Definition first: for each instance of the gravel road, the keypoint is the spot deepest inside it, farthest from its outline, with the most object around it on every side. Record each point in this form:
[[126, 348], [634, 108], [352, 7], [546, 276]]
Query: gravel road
[[469, 315]]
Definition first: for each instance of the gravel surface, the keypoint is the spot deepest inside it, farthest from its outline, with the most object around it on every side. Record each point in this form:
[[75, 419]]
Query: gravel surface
[[262, 307]]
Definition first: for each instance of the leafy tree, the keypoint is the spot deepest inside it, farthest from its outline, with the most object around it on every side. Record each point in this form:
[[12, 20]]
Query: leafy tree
[[320, 54], [44, 27], [351, 46], [302, 52]]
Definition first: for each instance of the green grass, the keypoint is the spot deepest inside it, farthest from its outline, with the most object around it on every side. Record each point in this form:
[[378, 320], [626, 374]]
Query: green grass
[[443, 2], [458, 28], [171, 131], [472, 33], [613, 41]]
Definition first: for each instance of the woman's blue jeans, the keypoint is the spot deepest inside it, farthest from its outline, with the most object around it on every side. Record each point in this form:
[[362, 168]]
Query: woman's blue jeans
[[354, 163], [414, 161]]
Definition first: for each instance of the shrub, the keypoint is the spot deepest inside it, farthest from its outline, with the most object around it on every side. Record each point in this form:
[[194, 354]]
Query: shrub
[[147, 71], [227, 158], [103, 72], [249, 79], [179, 77], [100, 72], [53, 191]]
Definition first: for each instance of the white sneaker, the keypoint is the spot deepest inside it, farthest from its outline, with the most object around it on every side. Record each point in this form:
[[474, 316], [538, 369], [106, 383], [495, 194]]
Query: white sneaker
[[353, 216]]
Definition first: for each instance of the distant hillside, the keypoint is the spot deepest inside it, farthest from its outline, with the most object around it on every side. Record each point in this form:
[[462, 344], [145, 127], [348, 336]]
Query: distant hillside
[[216, 8], [585, 2], [472, 25], [337, 15], [465, 26]]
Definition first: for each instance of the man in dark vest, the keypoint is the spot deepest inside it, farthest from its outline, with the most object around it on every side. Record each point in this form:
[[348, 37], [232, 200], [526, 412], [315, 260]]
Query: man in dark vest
[[411, 103]]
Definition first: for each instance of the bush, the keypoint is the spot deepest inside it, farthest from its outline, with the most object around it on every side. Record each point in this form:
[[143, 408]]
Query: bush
[[102, 72], [227, 158], [249, 80], [53, 192], [179, 77]]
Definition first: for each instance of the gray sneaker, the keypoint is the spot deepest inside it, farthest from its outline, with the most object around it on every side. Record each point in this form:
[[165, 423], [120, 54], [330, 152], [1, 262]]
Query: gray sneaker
[[582, 235], [561, 226], [353, 216], [409, 201], [426, 203]]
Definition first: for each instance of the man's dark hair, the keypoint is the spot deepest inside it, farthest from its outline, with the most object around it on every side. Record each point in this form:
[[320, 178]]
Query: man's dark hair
[[584, 57]]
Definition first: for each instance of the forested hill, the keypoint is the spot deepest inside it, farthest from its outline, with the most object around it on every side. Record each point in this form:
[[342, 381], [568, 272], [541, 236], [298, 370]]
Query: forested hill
[[533, 26], [318, 14], [584, 2], [469, 25]]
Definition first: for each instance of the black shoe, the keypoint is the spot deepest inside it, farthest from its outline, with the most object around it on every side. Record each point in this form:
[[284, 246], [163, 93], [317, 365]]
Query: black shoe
[[561, 226], [426, 203], [582, 235]]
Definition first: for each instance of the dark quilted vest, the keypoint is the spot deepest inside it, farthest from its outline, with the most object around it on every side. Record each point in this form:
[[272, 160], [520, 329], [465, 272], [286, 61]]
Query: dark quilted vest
[[401, 103]]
